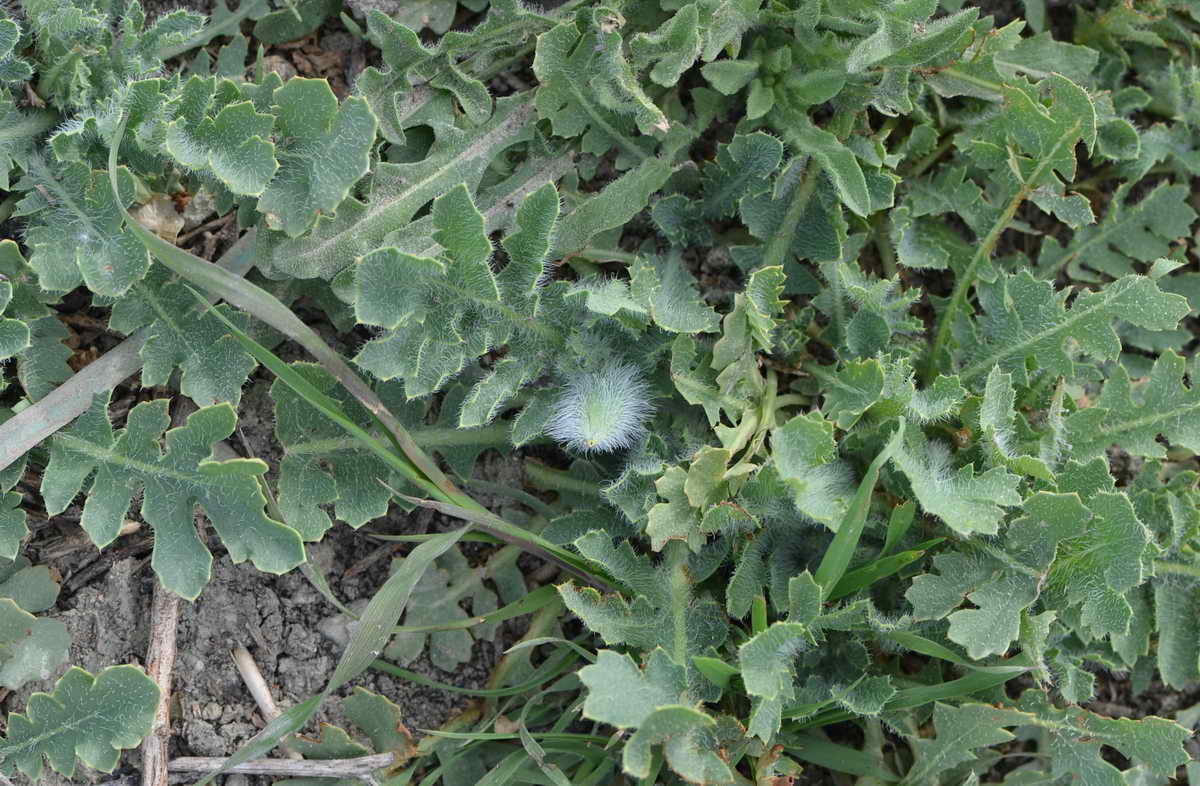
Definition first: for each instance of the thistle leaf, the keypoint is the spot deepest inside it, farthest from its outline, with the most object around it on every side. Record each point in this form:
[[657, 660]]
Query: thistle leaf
[[397, 192], [1142, 231], [623, 695], [1135, 415], [184, 335], [653, 701], [996, 420], [172, 482], [966, 502], [439, 313], [322, 464], [672, 48], [583, 94], [323, 154], [77, 235], [739, 167], [960, 731], [14, 334], [768, 671], [647, 620], [1076, 735], [34, 648], [435, 602], [85, 717], [217, 134], [1026, 320]]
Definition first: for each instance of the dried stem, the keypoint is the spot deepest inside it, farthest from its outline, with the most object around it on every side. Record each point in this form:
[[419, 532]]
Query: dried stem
[[361, 767], [257, 686], [160, 662]]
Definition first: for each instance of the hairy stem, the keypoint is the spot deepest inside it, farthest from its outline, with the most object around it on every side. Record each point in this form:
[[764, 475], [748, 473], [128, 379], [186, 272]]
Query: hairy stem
[[966, 279]]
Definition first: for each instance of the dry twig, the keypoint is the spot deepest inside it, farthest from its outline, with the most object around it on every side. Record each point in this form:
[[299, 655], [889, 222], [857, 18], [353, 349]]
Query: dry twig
[[252, 676], [361, 767], [160, 661]]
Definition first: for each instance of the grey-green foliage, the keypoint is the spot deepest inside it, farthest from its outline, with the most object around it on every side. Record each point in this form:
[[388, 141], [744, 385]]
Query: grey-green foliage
[[837, 311], [440, 313], [172, 480], [34, 648], [85, 51], [182, 335], [86, 717]]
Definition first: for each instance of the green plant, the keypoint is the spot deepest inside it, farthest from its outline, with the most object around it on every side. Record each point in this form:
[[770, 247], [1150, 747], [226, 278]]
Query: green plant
[[847, 347]]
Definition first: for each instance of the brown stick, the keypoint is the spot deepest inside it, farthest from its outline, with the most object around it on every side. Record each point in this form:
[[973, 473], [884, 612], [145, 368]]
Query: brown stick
[[160, 662], [361, 767]]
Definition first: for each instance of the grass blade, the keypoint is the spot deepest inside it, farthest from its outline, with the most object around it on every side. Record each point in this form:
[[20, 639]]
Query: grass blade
[[845, 542]]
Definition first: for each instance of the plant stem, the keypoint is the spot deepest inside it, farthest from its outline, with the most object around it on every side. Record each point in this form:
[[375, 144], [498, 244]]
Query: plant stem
[[7, 206], [1177, 568], [966, 279], [557, 480], [302, 768], [777, 248], [883, 243], [681, 595], [790, 400], [160, 662]]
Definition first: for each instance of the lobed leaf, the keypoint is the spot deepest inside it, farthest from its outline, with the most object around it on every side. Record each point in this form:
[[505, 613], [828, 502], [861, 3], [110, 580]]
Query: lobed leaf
[[183, 334], [92, 718], [397, 191], [1025, 320], [171, 481], [323, 153]]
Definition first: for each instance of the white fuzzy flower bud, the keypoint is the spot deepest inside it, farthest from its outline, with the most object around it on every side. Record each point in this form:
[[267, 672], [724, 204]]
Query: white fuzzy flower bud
[[602, 411]]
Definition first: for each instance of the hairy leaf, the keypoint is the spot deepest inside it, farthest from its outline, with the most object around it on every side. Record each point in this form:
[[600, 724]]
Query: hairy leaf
[[1135, 415], [171, 481], [967, 502], [586, 90], [1026, 320], [397, 192], [442, 312], [76, 236], [184, 335], [1141, 231], [322, 155], [85, 717]]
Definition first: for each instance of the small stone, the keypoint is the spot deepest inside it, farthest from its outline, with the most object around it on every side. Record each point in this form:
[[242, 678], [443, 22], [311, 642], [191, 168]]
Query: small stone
[[339, 628], [280, 65], [336, 42]]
